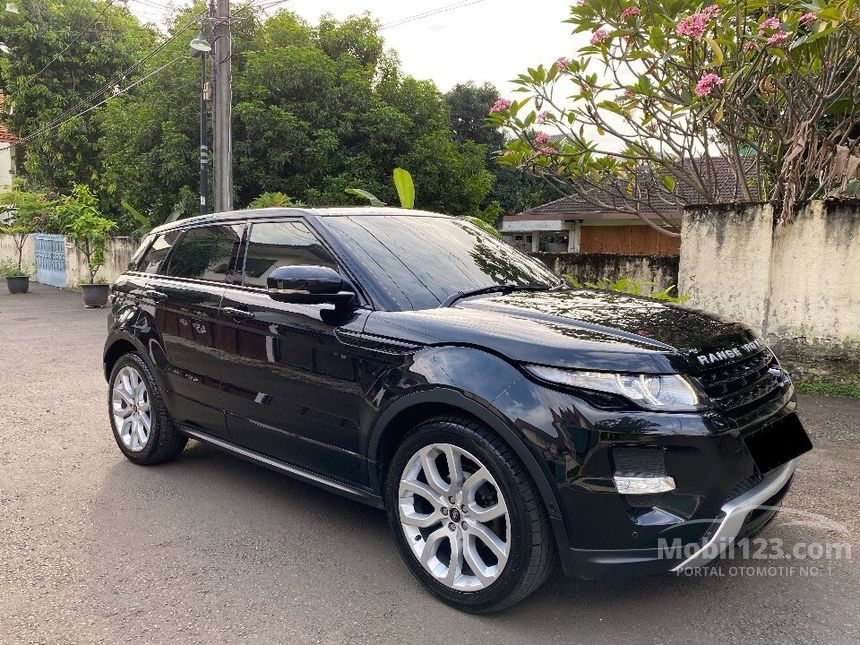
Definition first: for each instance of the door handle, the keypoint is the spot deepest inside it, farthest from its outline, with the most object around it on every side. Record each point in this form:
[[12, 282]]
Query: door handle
[[238, 314], [155, 295]]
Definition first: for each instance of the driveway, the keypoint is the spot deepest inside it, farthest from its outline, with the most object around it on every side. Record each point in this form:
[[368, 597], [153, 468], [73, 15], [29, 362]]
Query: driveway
[[210, 548]]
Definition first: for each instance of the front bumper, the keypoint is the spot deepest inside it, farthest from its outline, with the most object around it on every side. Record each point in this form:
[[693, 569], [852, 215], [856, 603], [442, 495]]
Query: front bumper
[[740, 517], [734, 514]]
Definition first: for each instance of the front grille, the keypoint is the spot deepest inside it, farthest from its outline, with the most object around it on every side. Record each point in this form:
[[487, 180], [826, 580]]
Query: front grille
[[744, 486], [744, 385]]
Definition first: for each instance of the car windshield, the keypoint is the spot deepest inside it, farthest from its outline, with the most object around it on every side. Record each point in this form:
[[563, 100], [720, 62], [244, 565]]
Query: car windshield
[[418, 262]]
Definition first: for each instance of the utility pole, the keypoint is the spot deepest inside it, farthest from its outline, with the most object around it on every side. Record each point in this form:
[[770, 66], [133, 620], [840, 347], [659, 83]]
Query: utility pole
[[222, 110], [204, 133]]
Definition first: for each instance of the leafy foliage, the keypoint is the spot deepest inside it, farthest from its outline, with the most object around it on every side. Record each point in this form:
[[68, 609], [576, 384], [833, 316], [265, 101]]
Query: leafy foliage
[[83, 222], [317, 109], [664, 87], [24, 212], [11, 268], [629, 287], [273, 200]]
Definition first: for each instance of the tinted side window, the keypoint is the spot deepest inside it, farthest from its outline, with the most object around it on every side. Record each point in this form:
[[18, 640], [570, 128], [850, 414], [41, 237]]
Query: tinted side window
[[205, 253], [278, 244], [157, 252]]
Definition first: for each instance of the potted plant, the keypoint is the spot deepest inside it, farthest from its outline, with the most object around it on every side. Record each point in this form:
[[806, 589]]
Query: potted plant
[[17, 276], [22, 210], [83, 222]]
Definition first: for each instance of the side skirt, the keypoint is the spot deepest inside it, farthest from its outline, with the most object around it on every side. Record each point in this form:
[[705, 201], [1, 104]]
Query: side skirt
[[331, 485]]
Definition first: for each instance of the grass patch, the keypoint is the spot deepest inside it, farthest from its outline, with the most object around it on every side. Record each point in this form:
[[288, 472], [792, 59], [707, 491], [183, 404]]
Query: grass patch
[[849, 386]]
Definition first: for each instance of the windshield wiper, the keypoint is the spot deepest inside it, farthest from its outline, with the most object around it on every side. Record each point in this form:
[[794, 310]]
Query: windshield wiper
[[496, 288]]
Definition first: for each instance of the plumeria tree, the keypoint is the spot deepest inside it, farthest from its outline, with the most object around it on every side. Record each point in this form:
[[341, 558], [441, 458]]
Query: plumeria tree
[[668, 97]]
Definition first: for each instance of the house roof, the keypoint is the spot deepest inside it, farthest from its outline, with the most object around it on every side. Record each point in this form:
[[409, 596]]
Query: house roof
[[5, 135], [578, 207]]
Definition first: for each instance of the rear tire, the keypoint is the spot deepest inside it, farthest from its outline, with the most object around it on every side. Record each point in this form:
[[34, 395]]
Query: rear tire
[[495, 530], [142, 426]]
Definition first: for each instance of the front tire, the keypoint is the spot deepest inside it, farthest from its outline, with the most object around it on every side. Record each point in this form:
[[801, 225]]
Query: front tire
[[466, 516], [141, 424]]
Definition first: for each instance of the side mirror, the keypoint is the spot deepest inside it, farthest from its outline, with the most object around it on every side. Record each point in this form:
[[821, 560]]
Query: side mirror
[[309, 285]]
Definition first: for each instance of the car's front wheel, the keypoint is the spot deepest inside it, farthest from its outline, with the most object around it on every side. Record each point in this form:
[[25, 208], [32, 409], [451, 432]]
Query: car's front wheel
[[466, 516], [142, 426]]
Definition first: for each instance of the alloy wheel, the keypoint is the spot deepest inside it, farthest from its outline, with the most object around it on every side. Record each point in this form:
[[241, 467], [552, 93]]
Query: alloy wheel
[[131, 409], [455, 517]]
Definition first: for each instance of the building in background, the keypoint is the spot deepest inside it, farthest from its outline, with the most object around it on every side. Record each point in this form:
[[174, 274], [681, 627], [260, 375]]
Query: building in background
[[573, 224], [7, 151]]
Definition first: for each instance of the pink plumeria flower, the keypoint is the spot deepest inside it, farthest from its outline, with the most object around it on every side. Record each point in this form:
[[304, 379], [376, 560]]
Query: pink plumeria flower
[[542, 138], [629, 12], [542, 117], [707, 84], [599, 36], [749, 46], [692, 26], [711, 12], [546, 150], [500, 106], [778, 38], [771, 23], [563, 64], [807, 18]]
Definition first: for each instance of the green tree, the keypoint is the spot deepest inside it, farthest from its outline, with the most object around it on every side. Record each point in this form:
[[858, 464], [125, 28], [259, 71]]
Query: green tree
[[61, 51], [513, 189], [83, 222]]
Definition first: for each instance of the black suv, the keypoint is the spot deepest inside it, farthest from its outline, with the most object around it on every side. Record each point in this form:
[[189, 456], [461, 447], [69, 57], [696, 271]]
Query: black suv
[[416, 363]]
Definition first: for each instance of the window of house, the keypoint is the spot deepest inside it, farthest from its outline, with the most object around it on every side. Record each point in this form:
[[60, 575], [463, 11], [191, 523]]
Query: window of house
[[205, 253], [277, 244]]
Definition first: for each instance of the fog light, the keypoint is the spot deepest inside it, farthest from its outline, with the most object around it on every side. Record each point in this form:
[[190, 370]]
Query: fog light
[[643, 485]]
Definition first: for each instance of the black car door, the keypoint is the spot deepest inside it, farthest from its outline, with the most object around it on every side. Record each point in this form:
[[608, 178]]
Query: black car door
[[187, 293], [292, 391]]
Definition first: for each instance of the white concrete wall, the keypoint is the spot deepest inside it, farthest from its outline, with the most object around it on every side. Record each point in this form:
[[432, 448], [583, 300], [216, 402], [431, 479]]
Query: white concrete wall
[[9, 251], [5, 165], [117, 256], [797, 285], [119, 252]]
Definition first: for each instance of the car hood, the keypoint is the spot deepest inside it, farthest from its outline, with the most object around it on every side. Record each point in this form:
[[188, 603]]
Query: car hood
[[580, 329]]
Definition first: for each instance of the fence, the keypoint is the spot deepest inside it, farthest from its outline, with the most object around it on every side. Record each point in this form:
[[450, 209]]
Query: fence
[[653, 272], [59, 263]]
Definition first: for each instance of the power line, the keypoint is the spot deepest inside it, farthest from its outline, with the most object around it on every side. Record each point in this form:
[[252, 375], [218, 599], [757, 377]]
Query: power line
[[118, 79], [430, 12], [116, 94], [66, 48]]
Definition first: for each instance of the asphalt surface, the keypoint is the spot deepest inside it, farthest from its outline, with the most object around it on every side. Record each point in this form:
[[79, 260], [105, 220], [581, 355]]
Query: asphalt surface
[[210, 548]]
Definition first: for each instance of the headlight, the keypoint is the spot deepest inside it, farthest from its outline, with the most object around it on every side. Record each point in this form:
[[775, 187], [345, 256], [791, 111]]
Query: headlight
[[667, 392]]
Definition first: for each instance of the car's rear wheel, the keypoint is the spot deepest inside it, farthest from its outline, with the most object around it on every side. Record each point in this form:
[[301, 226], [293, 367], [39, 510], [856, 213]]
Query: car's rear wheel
[[466, 516], [141, 423]]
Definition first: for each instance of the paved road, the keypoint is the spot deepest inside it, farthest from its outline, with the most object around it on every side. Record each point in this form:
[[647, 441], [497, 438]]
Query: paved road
[[213, 549]]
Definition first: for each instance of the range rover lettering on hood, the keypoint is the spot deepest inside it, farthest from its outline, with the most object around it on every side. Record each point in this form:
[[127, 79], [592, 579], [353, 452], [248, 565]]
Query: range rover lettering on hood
[[732, 352]]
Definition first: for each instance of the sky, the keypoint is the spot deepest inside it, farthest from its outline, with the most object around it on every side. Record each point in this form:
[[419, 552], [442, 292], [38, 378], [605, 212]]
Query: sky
[[487, 40]]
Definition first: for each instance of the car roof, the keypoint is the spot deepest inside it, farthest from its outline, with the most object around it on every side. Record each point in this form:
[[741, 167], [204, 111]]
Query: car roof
[[268, 213]]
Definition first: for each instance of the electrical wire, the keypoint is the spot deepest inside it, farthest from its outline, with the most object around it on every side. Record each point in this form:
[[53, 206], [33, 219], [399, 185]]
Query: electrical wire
[[429, 13], [118, 79], [114, 95]]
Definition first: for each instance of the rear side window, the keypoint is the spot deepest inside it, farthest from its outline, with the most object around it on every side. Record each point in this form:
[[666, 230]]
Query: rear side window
[[156, 253], [206, 253], [278, 244]]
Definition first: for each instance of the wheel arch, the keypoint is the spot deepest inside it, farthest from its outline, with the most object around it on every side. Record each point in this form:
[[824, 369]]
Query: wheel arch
[[405, 413], [118, 348]]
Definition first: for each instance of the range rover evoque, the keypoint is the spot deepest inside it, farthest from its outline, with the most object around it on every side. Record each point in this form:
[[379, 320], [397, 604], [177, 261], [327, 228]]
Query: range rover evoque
[[509, 424]]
